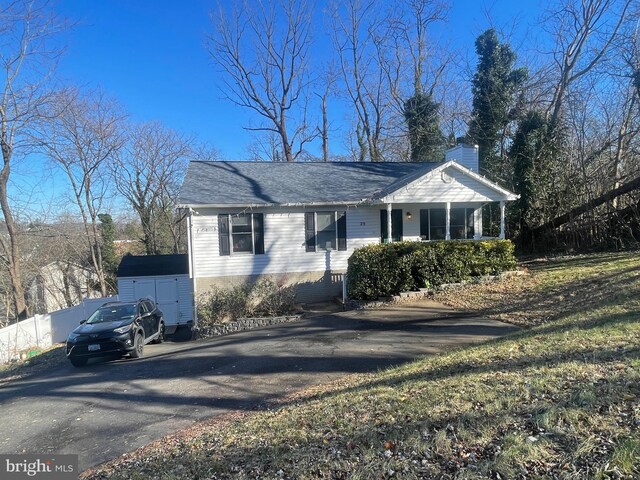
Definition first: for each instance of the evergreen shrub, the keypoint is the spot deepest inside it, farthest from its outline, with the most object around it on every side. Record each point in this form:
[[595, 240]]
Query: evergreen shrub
[[383, 270]]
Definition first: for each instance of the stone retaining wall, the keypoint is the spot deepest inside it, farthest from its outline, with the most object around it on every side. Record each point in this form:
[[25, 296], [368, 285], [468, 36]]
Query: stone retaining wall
[[241, 325]]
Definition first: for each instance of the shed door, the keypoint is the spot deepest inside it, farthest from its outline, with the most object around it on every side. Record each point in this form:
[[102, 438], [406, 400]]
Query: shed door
[[167, 299], [145, 289]]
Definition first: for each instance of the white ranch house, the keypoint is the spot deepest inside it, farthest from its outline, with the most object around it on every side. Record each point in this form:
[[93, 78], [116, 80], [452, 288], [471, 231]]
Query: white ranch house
[[300, 222]]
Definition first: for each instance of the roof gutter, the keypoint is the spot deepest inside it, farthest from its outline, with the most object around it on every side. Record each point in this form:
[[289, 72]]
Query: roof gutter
[[267, 205]]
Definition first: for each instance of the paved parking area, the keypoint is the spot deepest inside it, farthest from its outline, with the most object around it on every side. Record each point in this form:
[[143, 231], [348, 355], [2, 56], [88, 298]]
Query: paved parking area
[[108, 408]]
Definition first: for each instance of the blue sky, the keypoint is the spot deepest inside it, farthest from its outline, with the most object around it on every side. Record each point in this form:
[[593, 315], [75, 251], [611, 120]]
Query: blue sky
[[151, 56]]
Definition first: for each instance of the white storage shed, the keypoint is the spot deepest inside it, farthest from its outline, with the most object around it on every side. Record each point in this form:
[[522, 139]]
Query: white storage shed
[[164, 279]]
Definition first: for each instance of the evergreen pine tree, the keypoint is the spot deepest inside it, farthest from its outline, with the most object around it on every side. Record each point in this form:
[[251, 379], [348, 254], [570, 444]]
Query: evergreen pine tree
[[495, 85], [422, 116], [531, 156]]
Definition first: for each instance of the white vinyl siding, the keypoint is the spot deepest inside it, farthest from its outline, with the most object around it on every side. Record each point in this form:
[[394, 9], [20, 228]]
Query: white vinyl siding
[[465, 155], [284, 243], [450, 185]]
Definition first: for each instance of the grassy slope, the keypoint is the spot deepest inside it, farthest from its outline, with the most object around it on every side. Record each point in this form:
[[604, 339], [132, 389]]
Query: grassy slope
[[47, 358], [559, 400]]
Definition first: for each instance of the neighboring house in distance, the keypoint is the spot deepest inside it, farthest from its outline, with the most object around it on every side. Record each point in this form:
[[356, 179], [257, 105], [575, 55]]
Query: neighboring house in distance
[[300, 222], [60, 285], [128, 247]]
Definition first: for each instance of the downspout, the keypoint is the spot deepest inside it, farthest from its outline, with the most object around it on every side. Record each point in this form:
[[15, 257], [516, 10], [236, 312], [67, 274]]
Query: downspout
[[192, 275]]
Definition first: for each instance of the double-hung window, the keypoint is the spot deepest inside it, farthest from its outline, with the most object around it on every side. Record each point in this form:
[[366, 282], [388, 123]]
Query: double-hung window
[[325, 231], [241, 233]]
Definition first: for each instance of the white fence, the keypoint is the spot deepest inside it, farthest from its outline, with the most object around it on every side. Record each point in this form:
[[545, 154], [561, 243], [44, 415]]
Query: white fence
[[45, 330]]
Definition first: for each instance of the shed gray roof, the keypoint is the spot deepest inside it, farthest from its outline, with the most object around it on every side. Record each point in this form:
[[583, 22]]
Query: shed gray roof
[[153, 265], [281, 183]]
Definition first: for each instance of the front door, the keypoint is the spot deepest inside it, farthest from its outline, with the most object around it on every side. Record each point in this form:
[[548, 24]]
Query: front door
[[396, 225]]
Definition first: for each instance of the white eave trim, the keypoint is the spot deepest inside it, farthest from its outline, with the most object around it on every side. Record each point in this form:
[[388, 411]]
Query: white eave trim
[[508, 196], [272, 205]]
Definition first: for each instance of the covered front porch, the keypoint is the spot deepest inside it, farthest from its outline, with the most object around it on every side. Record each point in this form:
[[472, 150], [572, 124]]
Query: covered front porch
[[435, 221], [444, 204]]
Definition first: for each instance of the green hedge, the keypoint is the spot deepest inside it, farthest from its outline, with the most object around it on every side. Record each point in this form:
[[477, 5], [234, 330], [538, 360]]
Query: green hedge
[[387, 269]]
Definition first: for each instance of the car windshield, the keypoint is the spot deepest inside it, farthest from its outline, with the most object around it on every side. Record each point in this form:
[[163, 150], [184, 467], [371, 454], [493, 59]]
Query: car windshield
[[112, 313]]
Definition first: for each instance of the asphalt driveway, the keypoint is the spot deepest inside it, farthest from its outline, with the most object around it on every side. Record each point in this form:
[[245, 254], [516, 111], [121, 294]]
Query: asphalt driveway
[[108, 408]]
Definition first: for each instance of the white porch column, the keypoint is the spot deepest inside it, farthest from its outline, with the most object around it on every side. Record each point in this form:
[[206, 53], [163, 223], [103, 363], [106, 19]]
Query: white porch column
[[502, 220], [477, 223], [447, 232], [389, 224]]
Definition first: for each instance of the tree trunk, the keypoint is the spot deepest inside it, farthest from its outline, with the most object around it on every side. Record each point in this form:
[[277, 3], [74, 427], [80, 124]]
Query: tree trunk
[[12, 251], [90, 228], [622, 144], [325, 130], [588, 206], [286, 146]]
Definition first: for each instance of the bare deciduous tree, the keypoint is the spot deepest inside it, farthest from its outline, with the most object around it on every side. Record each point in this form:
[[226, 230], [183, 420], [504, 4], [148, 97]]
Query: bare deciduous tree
[[147, 173], [415, 67], [409, 57], [27, 54], [385, 56], [82, 139], [356, 28], [592, 120], [584, 32], [263, 54], [327, 82], [56, 267]]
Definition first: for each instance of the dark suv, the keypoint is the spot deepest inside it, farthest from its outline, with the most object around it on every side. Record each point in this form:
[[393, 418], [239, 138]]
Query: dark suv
[[116, 328]]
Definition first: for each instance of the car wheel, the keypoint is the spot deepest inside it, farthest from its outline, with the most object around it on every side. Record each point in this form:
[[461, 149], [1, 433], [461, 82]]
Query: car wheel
[[78, 361], [138, 346], [160, 337]]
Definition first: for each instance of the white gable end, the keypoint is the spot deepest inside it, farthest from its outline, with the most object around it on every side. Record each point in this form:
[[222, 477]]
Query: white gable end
[[449, 184]]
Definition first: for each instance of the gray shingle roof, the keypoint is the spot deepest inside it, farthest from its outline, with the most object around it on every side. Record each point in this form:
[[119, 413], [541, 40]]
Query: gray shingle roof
[[281, 183]]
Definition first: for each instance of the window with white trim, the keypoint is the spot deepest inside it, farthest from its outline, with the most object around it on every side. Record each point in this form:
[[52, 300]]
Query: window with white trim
[[241, 233], [325, 231]]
